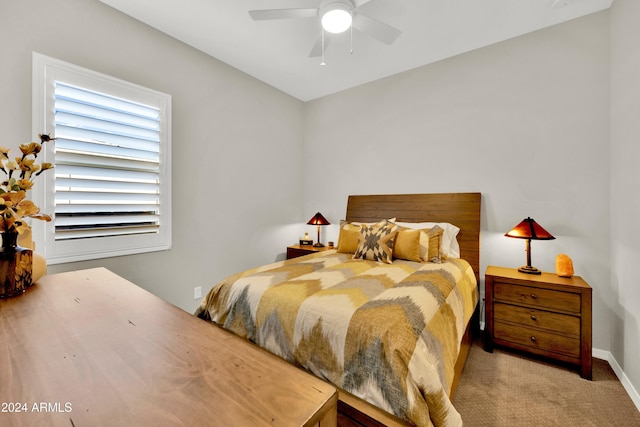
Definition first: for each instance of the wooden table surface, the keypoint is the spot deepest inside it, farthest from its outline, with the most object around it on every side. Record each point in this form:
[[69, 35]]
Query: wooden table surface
[[88, 348]]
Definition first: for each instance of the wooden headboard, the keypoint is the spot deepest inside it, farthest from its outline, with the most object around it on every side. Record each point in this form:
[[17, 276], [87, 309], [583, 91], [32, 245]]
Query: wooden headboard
[[459, 209]]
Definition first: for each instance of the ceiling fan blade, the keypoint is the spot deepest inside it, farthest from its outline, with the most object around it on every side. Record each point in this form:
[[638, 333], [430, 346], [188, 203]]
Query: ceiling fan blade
[[359, 3], [261, 15], [316, 50], [376, 29]]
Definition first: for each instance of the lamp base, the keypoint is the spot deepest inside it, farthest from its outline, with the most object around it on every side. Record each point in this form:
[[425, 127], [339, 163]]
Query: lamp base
[[318, 245], [529, 270]]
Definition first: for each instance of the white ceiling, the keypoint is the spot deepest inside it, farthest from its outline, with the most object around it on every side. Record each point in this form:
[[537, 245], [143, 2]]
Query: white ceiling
[[277, 51]]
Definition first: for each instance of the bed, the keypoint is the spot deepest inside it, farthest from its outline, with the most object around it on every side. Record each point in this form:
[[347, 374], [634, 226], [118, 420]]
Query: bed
[[390, 332]]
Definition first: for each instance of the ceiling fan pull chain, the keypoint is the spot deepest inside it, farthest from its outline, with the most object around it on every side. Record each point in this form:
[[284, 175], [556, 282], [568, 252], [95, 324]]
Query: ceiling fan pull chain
[[322, 37], [351, 30]]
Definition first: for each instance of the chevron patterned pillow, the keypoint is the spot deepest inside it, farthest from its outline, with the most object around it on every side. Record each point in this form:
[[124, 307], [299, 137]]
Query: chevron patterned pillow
[[431, 243], [376, 242]]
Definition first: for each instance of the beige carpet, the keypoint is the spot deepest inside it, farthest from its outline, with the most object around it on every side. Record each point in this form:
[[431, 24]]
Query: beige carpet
[[506, 389]]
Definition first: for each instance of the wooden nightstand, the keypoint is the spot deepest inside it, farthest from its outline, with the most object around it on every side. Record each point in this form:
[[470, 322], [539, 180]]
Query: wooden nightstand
[[541, 314], [300, 250]]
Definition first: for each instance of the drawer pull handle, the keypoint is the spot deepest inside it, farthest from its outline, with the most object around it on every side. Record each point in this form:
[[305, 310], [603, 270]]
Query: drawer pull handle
[[533, 339], [533, 296], [534, 318]]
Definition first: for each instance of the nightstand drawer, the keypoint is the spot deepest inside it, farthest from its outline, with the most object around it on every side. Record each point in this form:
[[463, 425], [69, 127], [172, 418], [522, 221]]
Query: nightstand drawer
[[537, 339], [302, 250], [296, 252], [537, 297], [555, 322]]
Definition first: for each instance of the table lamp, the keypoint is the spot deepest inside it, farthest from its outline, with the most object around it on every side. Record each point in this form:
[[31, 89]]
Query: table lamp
[[530, 230], [318, 220]]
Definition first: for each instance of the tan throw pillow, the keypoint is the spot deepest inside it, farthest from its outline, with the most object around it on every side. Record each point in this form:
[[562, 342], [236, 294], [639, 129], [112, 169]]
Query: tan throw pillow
[[348, 238], [430, 244], [376, 242], [407, 245]]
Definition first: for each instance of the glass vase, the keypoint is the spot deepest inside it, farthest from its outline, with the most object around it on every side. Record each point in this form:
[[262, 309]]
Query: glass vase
[[16, 264]]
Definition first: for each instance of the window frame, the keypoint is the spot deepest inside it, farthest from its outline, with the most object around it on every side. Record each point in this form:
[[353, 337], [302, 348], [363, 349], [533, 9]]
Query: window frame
[[46, 71]]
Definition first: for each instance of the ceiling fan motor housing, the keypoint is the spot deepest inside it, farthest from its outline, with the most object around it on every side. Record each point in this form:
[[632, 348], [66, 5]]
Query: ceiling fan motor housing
[[336, 15]]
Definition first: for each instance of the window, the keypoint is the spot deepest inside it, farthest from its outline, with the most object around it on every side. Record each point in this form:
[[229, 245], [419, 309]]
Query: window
[[110, 191]]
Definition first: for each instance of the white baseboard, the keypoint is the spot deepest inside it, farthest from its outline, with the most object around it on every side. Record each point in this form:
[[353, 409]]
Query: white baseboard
[[624, 380]]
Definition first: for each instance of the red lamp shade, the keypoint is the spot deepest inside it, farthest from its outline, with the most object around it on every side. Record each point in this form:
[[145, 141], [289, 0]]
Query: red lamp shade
[[530, 230], [318, 220]]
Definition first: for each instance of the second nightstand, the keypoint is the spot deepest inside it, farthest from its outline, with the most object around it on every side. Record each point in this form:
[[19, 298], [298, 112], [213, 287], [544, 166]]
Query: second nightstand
[[541, 314], [300, 250]]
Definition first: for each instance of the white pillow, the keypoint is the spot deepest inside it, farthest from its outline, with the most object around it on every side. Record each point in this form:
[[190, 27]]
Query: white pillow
[[450, 246]]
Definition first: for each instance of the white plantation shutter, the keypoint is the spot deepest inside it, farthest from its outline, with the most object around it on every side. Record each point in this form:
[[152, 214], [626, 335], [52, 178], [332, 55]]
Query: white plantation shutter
[[110, 190], [106, 165]]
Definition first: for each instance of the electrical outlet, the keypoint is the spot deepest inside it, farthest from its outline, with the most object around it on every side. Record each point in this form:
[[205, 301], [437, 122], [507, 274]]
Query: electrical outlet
[[197, 292]]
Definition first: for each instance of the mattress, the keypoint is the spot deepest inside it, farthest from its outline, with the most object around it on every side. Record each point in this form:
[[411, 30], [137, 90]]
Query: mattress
[[387, 333]]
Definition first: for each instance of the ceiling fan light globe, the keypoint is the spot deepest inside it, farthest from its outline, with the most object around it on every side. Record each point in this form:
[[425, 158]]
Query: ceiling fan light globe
[[336, 20]]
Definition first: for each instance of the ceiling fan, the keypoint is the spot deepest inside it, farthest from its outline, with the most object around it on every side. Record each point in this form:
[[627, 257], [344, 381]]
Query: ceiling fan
[[336, 16]]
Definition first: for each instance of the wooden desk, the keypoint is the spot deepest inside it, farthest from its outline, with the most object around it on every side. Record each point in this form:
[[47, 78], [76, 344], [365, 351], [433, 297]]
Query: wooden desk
[[88, 348]]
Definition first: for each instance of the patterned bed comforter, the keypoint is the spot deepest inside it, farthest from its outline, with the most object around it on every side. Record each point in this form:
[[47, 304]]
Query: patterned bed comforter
[[387, 333]]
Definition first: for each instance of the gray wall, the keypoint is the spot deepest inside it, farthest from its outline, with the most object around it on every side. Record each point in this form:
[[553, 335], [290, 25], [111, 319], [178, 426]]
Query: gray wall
[[625, 186], [525, 122], [237, 142]]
